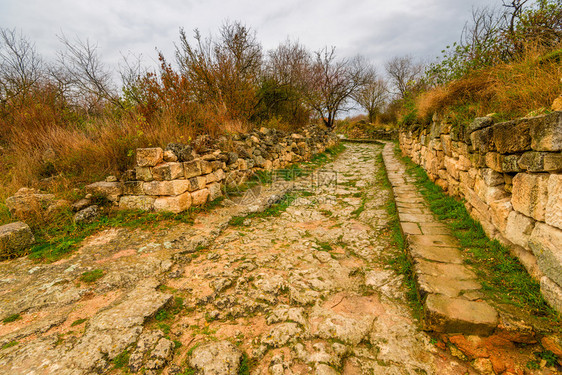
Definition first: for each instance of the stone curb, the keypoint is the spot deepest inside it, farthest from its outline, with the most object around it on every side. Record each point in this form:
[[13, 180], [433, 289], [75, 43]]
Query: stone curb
[[448, 290]]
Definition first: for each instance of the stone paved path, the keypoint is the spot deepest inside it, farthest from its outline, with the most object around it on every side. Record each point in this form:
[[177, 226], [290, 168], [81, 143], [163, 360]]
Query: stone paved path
[[450, 290], [306, 292]]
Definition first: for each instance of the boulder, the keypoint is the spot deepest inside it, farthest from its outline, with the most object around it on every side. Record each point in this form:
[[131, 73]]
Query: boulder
[[25, 201], [87, 215], [14, 237]]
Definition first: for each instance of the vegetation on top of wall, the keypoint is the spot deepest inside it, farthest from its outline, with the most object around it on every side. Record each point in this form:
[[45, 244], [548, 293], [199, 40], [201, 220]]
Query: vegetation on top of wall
[[507, 62]]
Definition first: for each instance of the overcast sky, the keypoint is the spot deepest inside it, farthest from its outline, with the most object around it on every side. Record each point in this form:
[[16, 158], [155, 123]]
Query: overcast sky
[[377, 29]]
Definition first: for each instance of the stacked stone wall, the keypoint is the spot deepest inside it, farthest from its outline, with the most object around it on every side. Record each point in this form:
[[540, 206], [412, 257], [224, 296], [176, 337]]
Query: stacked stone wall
[[510, 176], [179, 177]]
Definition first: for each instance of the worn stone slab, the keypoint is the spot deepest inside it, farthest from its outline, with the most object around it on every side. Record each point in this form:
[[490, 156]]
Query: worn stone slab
[[416, 218], [436, 253], [457, 271], [444, 284], [410, 228], [433, 240], [434, 228], [457, 315]]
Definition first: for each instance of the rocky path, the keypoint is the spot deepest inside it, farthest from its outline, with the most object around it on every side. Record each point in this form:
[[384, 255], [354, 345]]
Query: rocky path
[[306, 291]]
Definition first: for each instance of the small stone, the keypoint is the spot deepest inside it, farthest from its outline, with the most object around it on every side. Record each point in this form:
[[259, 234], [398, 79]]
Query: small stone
[[87, 215], [170, 156], [181, 151], [81, 204]]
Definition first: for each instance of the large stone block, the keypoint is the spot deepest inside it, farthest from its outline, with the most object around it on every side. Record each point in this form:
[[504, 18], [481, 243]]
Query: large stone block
[[149, 157], [511, 136], [491, 177], [500, 211], [482, 140], [494, 161], [144, 173], [14, 237], [192, 168], [168, 171], [552, 293], [215, 191], [199, 197], [530, 192], [488, 193], [446, 143], [196, 183], [133, 188], [519, 228], [175, 204], [137, 202], [110, 190], [175, 187], [546, 132], [535, 161], [510, 163], [546, 244], [553, 212], [27, 200]]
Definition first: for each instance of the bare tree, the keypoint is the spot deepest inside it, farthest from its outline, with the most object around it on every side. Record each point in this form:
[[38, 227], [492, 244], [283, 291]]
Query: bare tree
[[21, 67], [224, 72], [332, 82], [372, 96], [404, 74], [83, 71]]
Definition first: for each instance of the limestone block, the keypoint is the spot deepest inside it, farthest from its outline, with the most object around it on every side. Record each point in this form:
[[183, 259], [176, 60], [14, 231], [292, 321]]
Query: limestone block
[[485, 219], [210, 178], [192, 168], [196, 183], [454, 186], [174, 187], [552, 162], [110, 190], [446, 144], [26, 200], [206, 167], [510, 163], [452, 166], [511, 136], [144, 173], [137, 202], [443, 174], [519, 228], [221, 175], [479, 123], [491, 177], [494, 161], [552, 293], [15, 237], [217, 164], [546, 244], [464, 163], [482, 140], [168, 171], [133, 188], [175, 204], [546, 132], [170, 156], [149, 157], [553, 212], [242, 164], [475, 201], [215, 191], [199, 197], [500, 211], [530, 194], [488, 193], [527, 259]]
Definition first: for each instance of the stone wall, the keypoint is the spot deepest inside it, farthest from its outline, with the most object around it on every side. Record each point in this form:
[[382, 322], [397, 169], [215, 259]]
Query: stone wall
[[182, 176], [510, 176]]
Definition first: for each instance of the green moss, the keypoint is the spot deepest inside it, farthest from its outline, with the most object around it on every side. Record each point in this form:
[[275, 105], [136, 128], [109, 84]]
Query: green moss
[[11, 318], [92, 276]]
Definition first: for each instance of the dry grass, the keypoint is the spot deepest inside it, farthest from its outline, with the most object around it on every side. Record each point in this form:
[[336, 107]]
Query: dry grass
[[510, 90]]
